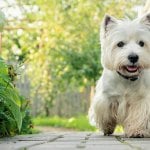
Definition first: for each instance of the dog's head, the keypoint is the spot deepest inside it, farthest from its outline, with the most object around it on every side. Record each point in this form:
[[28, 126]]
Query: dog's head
[[126, 44]]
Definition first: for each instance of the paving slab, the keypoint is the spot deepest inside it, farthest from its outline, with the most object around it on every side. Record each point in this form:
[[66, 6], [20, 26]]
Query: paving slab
[[73, 141]]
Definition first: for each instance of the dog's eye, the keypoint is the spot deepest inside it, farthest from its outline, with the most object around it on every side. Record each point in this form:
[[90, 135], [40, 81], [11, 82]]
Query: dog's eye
[[141, 43], [120, 44]]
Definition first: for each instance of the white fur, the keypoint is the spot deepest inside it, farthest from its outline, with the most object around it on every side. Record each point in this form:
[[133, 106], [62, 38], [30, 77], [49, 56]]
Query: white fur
[[118, 100]]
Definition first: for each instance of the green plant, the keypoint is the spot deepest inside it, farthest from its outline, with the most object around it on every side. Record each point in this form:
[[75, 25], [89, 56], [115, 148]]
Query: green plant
[[12, 111], [27, 124]]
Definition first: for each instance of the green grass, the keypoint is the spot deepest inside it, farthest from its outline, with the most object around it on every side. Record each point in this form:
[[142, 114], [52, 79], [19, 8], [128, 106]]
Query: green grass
[[79, 123]]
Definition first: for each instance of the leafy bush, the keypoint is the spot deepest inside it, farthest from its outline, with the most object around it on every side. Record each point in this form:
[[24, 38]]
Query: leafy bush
[[13, 114]]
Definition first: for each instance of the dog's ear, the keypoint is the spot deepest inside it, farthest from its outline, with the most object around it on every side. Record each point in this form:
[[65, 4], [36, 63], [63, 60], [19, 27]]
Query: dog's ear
[[146, 19], [108, 23]]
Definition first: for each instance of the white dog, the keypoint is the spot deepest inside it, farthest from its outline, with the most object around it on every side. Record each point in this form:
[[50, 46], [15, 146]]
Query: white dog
[[123, 91]]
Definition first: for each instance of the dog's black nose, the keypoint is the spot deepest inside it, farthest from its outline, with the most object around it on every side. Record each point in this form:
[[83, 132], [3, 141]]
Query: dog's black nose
[[133, 58]]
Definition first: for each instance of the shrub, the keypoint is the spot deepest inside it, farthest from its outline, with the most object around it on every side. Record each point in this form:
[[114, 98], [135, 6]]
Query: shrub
[[14, 118]]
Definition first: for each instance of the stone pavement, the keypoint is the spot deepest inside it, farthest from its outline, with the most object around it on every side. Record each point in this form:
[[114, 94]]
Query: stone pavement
[[73, 141]]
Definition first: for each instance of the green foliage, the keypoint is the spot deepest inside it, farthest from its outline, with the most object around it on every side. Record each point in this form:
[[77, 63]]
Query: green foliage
[[59, 42], [2, 20], [27, 124], [11, 119], [12, 115], [119, 129]]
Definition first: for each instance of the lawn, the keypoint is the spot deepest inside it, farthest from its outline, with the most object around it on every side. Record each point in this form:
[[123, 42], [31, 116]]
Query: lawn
[[79, 123]]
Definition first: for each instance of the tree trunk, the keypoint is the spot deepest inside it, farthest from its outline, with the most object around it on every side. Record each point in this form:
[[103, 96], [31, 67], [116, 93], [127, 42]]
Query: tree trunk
[[47, 111]]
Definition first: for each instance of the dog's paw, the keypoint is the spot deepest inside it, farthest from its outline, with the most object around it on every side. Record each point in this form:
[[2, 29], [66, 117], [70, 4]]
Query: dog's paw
[[109, 127], [137, 134], [107, 133]]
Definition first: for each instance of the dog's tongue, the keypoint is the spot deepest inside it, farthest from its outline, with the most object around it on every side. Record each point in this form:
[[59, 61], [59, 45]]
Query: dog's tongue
[[132, 68]]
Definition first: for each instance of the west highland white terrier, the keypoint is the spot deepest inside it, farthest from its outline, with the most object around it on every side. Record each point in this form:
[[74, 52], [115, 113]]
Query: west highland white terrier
[[123, 92]]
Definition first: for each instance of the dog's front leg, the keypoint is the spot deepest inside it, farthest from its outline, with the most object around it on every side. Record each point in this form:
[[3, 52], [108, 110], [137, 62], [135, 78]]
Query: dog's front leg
[[104, 112], [137, 122]]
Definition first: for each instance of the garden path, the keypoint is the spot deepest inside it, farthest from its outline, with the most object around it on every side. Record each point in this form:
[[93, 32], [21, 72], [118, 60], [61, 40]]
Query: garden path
[[73, 141]]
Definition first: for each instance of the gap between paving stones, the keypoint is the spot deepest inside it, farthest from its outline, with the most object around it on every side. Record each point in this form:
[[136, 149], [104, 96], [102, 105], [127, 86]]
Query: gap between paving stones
[[82, 144], [123, 141], [43, 142]]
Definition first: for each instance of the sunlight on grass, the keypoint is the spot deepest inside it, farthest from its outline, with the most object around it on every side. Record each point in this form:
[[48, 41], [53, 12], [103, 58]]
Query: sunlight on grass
[[79, 123], [119, 129]]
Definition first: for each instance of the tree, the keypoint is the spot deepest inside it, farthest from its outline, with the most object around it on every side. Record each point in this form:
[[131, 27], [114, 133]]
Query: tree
[[59, 42]]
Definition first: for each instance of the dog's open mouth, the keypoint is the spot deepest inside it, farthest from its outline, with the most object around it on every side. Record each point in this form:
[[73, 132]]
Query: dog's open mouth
[[131, 69]]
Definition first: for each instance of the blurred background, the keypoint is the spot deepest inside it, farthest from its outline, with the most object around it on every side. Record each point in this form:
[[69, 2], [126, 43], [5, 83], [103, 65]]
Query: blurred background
[[54, 46]]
